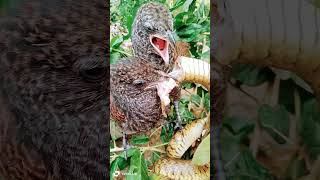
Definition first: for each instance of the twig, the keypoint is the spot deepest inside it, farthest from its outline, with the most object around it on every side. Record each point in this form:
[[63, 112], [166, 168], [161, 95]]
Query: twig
[[288, 140], [254, 145], [275, 92], [246, 93], [151, 148], [231, 160], [294, 121], [156, 130], [116, 149], [272, 94], [120, 51]]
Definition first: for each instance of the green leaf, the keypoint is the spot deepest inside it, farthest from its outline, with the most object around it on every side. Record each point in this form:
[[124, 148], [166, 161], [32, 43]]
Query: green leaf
[[231, 145], [275, 118], [177, 4], [187, 85], [246, 167], [130, 152], [186, 115], [116, 41], [139, 139], [250, 74], [166, 133], [137, 168], [155, 177], [202, 153], [239, 162], [118, 164], [237, 125], [309, 127], [113, 168], [187, 4], [154, 157], [286, 94], [207, 101], [196, 99]]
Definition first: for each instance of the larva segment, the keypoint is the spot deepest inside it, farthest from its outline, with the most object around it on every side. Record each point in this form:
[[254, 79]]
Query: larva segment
[[283, 34], [183, 139], [178, 169], [192, 70]]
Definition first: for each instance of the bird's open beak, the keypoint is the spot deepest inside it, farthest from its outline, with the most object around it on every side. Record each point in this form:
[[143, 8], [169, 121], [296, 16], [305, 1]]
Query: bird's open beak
[[161, 45]]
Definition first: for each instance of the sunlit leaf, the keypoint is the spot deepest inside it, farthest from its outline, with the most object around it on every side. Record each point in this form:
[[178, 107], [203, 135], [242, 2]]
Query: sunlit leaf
[[309, 127], [137, 168], [275, 119], [139, 139], [202, 153]]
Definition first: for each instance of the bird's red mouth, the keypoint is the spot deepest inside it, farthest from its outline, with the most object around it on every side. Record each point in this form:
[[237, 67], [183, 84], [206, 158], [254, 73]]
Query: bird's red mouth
[[161, 45]]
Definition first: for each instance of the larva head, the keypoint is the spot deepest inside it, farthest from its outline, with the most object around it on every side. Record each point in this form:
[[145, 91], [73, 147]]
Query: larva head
[[152, 35]]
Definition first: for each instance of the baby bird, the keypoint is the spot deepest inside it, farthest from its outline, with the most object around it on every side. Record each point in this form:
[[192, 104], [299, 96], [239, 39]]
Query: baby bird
[[139, 96], [153, 42]]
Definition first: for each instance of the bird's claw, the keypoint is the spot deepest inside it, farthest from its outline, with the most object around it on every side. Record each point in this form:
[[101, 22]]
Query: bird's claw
[[176, 73]]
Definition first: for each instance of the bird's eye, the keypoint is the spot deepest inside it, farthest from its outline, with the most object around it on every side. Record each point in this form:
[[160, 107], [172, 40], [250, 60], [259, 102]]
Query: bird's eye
[[149, 28], [139, 82], [93, 74], [92, 68]]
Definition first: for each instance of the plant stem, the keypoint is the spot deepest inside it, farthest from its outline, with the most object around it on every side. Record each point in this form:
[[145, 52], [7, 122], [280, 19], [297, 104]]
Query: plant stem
[[153, 148], [288, 140], [120, 51], [295, 119], [155, 131]]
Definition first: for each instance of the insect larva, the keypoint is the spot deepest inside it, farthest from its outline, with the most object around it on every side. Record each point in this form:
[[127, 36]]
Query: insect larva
[[192, 70], [181, 169], [183, 139], [172, 167], [282, 34]]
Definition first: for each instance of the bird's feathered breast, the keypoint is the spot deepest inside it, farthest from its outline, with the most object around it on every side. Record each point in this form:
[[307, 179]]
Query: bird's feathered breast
[[141, 106]]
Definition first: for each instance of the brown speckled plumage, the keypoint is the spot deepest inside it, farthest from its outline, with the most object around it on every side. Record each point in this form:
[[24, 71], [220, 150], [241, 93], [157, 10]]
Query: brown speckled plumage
[[138, 108], [53, 91]]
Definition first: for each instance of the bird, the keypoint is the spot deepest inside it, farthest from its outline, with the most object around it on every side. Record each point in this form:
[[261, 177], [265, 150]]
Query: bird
[[53, 91], [152, 36], [139, 96], [153, 42], [131, 98], [140, 109]]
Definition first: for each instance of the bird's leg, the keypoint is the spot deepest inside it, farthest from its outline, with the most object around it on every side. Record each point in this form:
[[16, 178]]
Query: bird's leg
[[125, 144], [164, 88], [178, 121], [124, 140]]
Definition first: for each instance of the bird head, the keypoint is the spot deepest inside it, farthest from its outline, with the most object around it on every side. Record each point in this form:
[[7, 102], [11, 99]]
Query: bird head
[[152, 35]]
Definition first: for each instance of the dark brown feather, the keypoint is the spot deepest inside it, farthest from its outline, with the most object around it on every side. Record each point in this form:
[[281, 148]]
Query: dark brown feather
[[53, 79]]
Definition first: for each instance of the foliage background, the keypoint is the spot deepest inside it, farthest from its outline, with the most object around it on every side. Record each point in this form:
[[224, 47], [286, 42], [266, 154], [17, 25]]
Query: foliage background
[[192, 25]]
